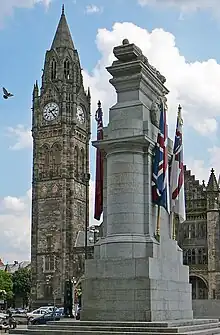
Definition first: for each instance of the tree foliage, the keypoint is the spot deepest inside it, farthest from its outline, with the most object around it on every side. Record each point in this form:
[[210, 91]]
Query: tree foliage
[[22, 284], [6, 285]]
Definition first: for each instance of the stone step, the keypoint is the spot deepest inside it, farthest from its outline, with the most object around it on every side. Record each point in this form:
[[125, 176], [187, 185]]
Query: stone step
[[39, 331], [127, 329], [163, 324]]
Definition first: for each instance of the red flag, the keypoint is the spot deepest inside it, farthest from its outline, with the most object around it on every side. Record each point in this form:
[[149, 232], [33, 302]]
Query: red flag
[[99, 166]]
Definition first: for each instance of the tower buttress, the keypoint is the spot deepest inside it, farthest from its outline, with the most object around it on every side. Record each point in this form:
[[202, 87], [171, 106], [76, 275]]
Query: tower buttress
[[213, 228]]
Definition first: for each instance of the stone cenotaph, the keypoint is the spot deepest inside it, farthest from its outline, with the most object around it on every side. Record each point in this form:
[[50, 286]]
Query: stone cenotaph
[[133, 277]]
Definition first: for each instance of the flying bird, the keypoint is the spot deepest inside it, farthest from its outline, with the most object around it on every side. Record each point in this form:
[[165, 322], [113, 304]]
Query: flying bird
[[6, 94]]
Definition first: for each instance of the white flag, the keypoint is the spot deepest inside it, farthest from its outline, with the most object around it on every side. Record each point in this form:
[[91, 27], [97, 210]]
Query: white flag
[[177, 193]]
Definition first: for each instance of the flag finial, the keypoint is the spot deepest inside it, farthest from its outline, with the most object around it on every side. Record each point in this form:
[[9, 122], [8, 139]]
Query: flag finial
[[180, 114]]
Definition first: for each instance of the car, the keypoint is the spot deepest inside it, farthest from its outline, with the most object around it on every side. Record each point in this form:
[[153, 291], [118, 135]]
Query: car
[[43, 319], [60, 311], [36, 313], [3, 315], [20, 311], [50, 308]]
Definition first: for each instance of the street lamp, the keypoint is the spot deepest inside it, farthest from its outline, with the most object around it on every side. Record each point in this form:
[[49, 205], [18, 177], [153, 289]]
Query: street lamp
[[73, 295]]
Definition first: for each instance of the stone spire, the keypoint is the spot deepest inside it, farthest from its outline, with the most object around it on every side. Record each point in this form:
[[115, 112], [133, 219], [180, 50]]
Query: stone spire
[[62, 38], [212, 183]]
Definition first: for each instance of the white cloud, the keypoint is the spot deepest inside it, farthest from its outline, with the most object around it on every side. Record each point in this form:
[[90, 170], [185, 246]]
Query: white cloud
[[8, 6], [15, 222], [93, 9], [184, 5], [15, 227], [208, 126], [194, 85], [21, 137]]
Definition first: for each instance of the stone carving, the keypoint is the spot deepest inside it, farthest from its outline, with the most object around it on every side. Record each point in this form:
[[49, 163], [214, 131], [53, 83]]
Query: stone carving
[[44, 190], [155, 109], [155, 112], [54, 189], [144, 59]]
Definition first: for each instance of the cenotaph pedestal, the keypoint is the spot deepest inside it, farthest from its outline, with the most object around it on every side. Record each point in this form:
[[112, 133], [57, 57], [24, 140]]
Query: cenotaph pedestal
[[133, 277]]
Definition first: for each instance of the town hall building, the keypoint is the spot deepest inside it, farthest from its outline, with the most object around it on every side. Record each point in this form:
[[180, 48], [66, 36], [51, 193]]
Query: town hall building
[[199, 235]]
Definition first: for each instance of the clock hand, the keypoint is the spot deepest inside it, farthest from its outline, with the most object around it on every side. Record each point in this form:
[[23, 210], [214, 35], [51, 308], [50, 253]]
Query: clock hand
[[53, 113]]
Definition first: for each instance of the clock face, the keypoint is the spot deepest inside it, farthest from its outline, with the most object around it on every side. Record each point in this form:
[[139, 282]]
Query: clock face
[[80, 114], [51, 111]]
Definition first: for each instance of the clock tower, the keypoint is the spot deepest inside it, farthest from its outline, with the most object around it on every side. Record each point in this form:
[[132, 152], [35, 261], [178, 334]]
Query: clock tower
[[61, 134]]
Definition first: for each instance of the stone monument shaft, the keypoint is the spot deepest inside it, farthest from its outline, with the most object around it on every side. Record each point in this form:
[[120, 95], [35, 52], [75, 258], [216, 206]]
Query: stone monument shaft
[[133, 277]]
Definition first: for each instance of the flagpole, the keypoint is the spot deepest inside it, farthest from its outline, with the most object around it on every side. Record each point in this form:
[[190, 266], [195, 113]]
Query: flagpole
[[173, 226], [158, 224]]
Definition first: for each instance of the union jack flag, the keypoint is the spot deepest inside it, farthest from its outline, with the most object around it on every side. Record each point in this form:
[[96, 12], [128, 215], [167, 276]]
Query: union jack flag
[[177, 172], [160, 189], [99, 166]]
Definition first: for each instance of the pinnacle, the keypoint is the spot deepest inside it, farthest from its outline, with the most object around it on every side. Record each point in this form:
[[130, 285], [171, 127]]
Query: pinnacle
[[62, 38], [212, 183]]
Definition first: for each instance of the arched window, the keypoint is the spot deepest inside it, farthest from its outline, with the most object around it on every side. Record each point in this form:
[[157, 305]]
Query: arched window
[[193, 256], [199, 288], [185, 254], [56, 158], [204, 258], [193, 230], [186, 230], [44, 161], [53, 69], [67, 69], [200, 256], [76, 160], [189, 257], [82, 162], [56, 154]]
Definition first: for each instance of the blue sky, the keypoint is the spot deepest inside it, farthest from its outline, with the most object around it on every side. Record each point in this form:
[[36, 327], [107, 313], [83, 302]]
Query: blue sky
[[181, 41]]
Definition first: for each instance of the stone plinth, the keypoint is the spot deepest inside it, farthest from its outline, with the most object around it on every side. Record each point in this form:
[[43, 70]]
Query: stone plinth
[[133, 277]]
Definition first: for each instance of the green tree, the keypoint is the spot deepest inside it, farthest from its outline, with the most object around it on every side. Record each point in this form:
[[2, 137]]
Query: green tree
[[22, 285], [6, 285]]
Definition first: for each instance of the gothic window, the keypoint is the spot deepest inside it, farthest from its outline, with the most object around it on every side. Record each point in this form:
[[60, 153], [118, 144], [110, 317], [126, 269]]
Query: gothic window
[[199, 288], [44, 161], [189, 257], [76, 160], [185, 254], [56, 159], [193, 230], [48, 291], [49, 263], [53, 69], [49, 242], [204, 258], [200, 256], [82, 162], [67, 69], [186, 231], [193, 256]]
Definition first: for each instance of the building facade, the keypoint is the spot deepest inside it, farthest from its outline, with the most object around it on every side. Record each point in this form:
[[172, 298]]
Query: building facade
[[61, 135], [199, 236]]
